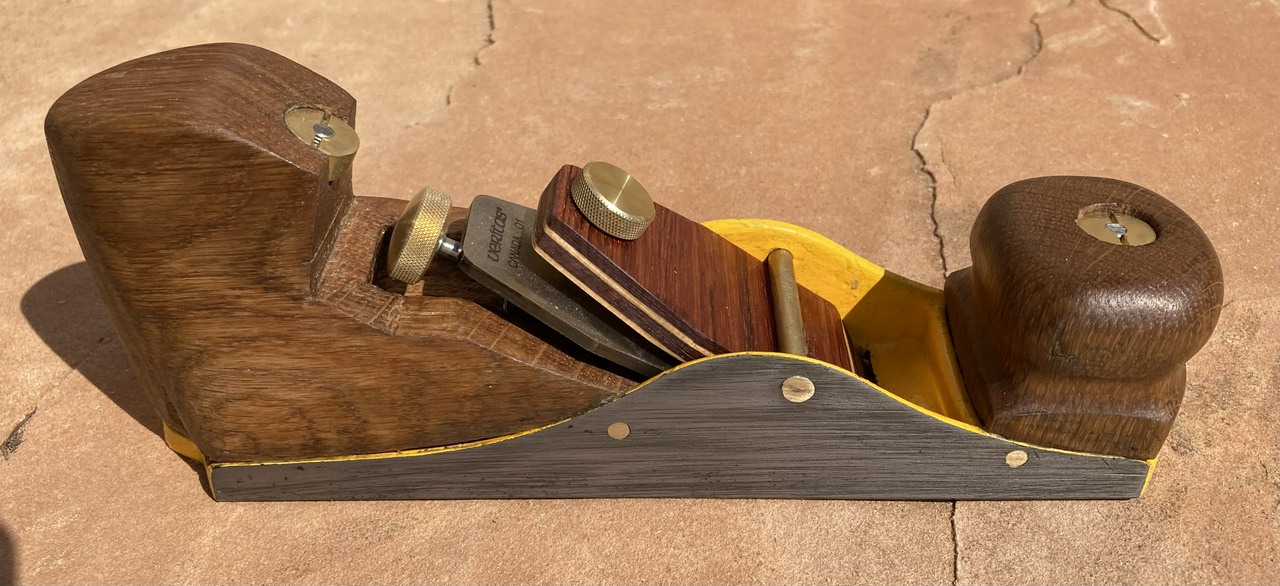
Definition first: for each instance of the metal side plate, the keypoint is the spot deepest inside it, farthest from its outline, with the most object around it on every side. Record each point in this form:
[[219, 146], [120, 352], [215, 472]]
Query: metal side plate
[[724, 426]]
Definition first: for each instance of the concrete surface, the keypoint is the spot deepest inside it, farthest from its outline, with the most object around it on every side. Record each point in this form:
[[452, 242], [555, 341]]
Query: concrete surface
[[883, 125]]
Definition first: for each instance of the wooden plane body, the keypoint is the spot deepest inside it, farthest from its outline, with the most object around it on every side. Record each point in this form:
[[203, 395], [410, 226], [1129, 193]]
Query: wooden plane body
[[722, 426], [251, 291]]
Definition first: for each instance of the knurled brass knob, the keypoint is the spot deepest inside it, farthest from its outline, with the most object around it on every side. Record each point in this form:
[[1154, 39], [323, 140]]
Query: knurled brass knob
[[612, 200], [418, 235]]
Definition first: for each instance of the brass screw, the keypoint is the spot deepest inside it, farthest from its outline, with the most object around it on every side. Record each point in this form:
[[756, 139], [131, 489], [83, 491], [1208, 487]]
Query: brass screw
[[326, 133], [1115, 227], [323, 131]]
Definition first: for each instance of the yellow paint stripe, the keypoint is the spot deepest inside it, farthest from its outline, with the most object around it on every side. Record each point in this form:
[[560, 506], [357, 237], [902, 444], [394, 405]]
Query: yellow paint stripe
[[398, 454]]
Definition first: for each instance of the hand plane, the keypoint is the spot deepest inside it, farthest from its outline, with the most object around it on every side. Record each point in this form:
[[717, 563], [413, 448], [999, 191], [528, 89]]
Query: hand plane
[[303, 343]]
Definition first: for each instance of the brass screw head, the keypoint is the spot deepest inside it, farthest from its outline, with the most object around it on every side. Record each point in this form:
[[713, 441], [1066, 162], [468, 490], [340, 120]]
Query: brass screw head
[[612, 200], [416, 236], [328, 134]]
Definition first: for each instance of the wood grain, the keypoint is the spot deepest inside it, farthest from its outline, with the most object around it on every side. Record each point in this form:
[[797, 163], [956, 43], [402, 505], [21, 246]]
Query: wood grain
[[717, 428], [685, 288], [1070, 342], [242, 282]]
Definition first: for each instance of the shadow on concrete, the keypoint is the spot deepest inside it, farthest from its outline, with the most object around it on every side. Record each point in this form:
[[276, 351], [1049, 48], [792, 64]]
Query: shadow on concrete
[[8, 558], [65, 311]]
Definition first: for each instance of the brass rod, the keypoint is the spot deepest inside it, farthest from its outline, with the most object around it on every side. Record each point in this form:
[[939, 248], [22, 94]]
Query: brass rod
[[786, 303]]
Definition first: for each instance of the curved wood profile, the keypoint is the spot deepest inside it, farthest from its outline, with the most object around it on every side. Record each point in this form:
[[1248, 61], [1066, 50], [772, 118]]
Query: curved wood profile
[[239, 277]]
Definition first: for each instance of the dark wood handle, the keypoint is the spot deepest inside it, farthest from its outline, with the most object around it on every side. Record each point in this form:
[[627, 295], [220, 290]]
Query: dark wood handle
[[239, 274], [156, 166], [1072, 341]]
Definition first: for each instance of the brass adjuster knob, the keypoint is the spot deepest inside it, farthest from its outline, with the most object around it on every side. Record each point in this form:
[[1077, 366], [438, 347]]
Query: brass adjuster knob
[[418, 235]]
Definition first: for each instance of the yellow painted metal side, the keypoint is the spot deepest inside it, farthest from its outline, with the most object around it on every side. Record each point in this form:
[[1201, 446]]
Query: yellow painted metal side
[[180, 443], [822, 266], [183, 446], [900, 322], [1151, 470]]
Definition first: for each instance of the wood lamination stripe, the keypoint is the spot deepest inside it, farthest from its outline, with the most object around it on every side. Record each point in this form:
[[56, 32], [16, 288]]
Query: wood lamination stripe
[[619, 301]]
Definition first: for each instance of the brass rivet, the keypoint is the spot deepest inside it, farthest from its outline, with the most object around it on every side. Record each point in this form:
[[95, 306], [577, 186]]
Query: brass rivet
[[797, 389], [326, 133], [619, 430], [1015, 458], [1114, 227]]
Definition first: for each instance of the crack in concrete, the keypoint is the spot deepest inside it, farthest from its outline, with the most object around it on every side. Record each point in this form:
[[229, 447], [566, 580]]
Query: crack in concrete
[[926, 167], [1036, 46], [1159, 40], [918, 149], [14, 439], [488, 37], [933, 189], [955, 547], [475, 60]]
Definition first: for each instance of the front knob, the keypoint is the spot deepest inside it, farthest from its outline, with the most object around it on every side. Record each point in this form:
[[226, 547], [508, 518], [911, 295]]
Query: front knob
[[1086, 298]]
